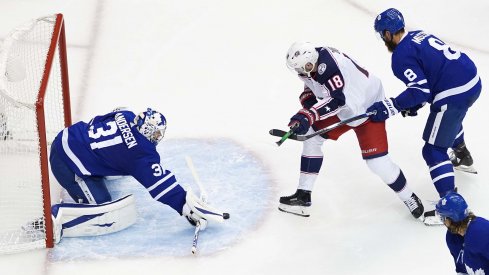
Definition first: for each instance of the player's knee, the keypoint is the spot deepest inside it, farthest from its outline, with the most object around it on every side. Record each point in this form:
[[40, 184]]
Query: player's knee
[[433, 154], [384, 167], [313, 146]]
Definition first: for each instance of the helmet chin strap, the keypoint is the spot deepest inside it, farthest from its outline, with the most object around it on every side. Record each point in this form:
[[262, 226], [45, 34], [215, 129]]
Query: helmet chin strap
[[308, 73]]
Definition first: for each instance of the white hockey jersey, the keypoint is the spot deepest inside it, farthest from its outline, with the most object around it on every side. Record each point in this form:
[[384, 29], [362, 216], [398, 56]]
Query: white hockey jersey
[[341, 86]]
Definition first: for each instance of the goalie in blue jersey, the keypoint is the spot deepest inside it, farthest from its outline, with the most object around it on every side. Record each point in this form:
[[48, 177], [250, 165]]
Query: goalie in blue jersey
[[437, 74], [467, 235], [119, 143]]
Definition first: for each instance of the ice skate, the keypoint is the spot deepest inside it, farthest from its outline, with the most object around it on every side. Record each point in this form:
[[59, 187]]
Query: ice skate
[[297, 204], [415, 206], [462, 160]]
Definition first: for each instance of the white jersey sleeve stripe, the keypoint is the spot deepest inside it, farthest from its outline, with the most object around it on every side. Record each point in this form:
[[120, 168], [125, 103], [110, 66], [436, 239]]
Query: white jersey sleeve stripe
[[166, 190], [426, 91], [160, 182], [421, 82], [71, 155]]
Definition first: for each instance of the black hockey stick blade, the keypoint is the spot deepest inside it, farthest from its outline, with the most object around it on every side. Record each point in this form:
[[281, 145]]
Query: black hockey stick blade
[[281, 133]]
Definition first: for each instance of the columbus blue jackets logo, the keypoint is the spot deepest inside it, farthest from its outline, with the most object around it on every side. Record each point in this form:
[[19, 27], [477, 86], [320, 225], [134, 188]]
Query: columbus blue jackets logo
[[321, 68]]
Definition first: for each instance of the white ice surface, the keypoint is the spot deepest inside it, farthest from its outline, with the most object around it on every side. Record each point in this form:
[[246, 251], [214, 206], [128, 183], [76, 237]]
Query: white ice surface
[[216, 70]]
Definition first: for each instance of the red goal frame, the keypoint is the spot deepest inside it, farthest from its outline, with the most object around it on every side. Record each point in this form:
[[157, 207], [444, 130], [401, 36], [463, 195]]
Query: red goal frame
[[58, 40]]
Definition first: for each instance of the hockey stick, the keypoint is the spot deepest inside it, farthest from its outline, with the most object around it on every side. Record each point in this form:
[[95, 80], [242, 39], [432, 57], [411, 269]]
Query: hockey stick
[[203, 197], [276, 132]]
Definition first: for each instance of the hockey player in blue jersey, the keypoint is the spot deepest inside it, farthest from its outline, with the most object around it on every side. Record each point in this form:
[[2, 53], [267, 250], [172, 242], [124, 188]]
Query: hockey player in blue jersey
[[467, 235], [119, 143], [434, 73]]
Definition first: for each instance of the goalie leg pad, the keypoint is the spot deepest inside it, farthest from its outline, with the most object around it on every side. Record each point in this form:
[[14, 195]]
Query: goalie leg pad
[[77, 220]]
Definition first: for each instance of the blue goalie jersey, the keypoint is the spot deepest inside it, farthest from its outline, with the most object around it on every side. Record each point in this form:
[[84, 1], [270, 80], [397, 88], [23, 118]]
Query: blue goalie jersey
[[471, 252], [433, 72], [110, 145]]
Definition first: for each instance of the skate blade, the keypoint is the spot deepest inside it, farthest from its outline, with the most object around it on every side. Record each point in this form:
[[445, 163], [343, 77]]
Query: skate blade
[[302, 211], [431, 219], [468, 169]]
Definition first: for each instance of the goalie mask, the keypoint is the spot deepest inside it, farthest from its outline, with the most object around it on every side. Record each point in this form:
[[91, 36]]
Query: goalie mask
[[152, 125]]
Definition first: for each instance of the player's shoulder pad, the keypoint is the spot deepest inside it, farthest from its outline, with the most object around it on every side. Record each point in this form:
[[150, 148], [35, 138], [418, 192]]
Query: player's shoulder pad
[[327, 65], [474, 237]]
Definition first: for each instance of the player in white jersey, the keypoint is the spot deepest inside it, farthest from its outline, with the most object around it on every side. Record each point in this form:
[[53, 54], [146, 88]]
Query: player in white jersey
[[336, 88]]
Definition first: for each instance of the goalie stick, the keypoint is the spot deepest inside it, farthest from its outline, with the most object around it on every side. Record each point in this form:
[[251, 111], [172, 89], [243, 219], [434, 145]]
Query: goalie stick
[[285, 135], [203, 197]]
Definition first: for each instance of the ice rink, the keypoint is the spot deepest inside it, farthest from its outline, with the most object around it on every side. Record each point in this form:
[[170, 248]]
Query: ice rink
[[216, 69]]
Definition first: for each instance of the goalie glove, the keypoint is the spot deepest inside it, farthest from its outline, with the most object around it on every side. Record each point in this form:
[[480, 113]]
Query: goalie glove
[[195, 210]]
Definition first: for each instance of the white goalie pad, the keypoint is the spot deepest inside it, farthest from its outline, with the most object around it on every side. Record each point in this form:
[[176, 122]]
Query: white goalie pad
[[79, 219]]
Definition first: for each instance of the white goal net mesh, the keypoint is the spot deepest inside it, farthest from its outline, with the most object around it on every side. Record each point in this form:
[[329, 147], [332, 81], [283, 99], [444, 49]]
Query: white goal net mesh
[[23, 57]]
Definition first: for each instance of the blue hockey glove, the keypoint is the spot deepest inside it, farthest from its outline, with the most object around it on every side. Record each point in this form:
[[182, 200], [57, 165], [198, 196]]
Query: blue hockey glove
[[303, 119], [384, 109]]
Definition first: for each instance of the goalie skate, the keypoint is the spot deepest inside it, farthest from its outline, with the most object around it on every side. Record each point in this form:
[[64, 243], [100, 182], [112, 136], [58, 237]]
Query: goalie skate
[[297, 204], [432, 218]]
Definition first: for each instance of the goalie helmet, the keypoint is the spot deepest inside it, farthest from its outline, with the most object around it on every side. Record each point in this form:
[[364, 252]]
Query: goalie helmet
[[452, 206], [151, 124], [299, 55], [390, 20]]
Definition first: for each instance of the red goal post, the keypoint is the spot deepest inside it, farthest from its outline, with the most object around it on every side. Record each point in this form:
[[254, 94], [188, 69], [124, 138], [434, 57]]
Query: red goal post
[[34, 107]]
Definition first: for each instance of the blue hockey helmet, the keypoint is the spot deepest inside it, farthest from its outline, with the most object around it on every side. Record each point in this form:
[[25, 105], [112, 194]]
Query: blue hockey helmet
[[452, 206], [151, 124], [389, 20]]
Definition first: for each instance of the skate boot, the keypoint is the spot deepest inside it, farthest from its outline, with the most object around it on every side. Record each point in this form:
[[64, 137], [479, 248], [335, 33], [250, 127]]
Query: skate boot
[[461, 159], [297, 204], [415, 206]]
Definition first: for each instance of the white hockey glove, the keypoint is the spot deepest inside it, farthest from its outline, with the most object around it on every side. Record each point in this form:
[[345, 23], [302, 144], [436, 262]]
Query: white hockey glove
[[196, 210]]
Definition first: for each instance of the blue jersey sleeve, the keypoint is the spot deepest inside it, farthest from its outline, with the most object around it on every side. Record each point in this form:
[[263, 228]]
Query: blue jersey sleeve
[[455, 244], [161, 184], [406, 68]]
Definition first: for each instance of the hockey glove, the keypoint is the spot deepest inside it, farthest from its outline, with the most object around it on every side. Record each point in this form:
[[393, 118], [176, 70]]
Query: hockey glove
[[195, 210], [384, 109], [413, 111], [308, 99], [302, 121]]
